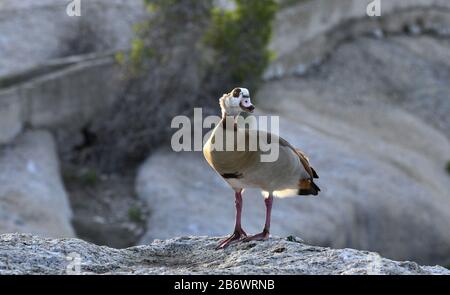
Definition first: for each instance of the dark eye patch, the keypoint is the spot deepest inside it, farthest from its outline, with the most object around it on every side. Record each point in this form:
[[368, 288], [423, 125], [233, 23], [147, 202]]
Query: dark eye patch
[[236, 92]]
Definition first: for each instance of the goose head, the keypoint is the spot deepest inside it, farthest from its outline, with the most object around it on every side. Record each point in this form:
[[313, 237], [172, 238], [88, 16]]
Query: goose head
[[237, 101]]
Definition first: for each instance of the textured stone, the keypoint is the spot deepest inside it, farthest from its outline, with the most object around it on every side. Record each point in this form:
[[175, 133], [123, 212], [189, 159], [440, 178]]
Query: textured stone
[[72, 96], [32, 32], [303, 31], [32, 197], [45, 87], [27, 254], [61, 95], [11, 116]]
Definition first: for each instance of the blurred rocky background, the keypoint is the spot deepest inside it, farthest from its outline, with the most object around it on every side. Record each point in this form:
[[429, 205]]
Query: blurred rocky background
[[86, 104]]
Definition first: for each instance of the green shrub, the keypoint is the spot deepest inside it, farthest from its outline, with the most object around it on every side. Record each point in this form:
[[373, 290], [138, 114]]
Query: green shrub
[[141, 49], [120, 58], [86, 177], [240, 38], [448, 167], [89, 177], [286, 3], [135, 214]]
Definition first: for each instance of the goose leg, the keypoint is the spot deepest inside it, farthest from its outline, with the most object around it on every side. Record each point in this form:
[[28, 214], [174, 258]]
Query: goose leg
[[238, 233], [264, 235]]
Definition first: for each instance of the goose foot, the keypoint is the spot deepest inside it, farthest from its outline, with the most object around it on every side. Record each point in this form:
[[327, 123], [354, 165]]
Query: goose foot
[[264, 235], [235, 237]]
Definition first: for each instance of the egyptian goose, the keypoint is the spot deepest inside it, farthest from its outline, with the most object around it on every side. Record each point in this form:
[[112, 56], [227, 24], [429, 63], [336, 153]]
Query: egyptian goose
[[243, 168]]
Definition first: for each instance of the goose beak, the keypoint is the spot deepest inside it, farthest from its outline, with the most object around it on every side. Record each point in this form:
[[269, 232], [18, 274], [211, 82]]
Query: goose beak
[[248, 109]]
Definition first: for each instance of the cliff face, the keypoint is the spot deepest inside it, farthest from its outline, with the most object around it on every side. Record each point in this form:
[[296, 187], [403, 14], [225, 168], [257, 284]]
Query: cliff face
[[27, 254]]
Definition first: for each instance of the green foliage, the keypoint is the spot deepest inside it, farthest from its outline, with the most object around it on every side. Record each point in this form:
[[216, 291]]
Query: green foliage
[[448, 167], [86, 177], [89, 177], [240, 38], [120, 58], [151, 7], [140, 50], [287, 3], [146, 46], [135, 214]]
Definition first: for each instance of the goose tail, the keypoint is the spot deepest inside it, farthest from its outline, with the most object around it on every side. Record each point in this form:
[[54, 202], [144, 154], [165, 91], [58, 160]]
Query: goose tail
[[308, 187]]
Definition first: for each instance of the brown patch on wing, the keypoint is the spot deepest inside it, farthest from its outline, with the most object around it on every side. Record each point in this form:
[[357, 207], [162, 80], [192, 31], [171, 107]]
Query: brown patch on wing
[[302, 156], [312, 190], [304, 184], [307, 187]]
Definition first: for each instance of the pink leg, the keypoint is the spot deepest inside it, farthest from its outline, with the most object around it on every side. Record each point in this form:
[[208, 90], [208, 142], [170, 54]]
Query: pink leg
[[264, 235], [238, 231]]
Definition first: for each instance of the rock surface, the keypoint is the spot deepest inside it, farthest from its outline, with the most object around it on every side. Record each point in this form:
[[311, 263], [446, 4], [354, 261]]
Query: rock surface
[[32, 32], [27, 254], [61, 95], [399, 58], [32, 197], [308, 30], [58, 71]]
